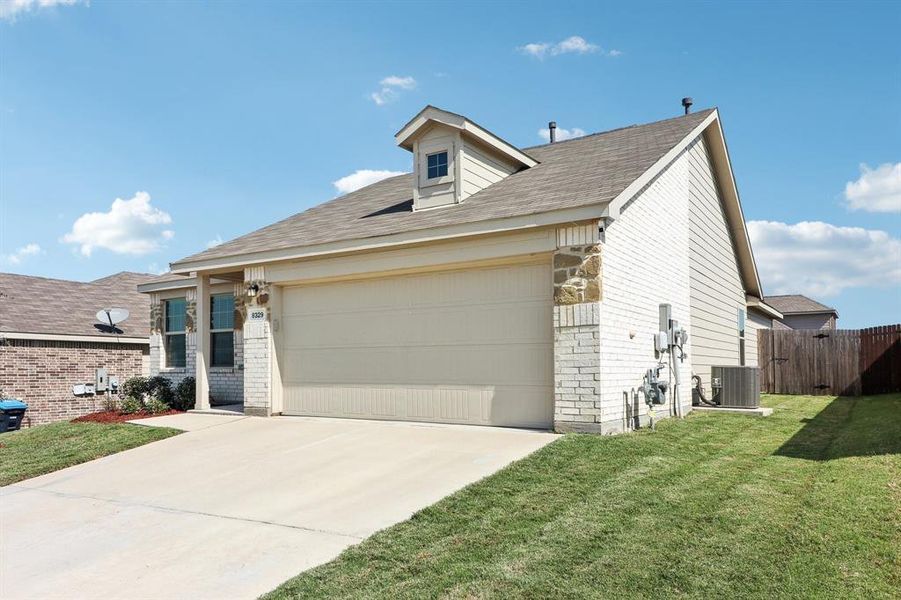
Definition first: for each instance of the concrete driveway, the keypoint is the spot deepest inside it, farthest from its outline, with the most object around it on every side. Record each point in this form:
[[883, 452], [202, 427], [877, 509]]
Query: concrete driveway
[[234, 506]]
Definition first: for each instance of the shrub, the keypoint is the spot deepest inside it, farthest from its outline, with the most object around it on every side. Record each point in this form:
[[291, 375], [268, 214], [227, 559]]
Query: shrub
[[155, 406], [135, 387], [184, 394], [159, 388], [130, 405], [109, 404]]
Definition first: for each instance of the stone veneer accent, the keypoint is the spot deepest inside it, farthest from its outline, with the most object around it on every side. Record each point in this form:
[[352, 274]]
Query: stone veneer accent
[[577, 367], [577, 274]]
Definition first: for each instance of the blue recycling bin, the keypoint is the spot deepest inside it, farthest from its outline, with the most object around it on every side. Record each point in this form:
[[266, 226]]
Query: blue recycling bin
[[11, 414]]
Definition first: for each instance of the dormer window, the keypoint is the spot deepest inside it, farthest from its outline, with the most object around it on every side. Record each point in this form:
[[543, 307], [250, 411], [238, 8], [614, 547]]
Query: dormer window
[[437, 165], [453, 158]]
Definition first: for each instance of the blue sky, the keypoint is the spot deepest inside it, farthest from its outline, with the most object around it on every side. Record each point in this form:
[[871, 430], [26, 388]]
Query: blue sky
[[209, 120]]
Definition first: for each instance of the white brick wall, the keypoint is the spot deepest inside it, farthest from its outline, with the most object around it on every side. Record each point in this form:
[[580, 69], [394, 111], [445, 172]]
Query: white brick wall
[[175, 375], [577, 370], [644, 264], [257, 376]]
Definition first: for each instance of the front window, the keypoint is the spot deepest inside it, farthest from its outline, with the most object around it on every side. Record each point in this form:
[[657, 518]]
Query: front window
[[222, 325], [437, 165], [174, 332]]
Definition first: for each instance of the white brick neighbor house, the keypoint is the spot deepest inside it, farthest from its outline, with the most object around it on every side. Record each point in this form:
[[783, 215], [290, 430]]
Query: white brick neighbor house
[[492, 286]]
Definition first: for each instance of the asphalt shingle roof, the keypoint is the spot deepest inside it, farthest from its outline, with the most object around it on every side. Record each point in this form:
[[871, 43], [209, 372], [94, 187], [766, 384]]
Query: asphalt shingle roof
[[796, 303], [166, 278], [61, 307], [588, 170]]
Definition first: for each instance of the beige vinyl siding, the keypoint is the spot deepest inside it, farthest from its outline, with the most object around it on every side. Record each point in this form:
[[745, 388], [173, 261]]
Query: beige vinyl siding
[[717, 293], [432, 193], [755, 323], [480, 169], [815, 321]]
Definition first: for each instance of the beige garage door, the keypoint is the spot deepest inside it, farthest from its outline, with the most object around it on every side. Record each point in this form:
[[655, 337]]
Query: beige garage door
[[470, 346]]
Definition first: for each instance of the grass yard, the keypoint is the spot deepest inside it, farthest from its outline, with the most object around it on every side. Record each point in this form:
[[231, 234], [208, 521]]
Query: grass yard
[[805, 503], [46, 448]]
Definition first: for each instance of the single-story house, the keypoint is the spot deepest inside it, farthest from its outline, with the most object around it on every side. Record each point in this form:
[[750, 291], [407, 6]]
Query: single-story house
[[801, 312], [51, 340], [493, 285]]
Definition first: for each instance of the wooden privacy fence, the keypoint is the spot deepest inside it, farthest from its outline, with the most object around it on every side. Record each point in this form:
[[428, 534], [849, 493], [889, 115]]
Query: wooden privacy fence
[[840, 362]]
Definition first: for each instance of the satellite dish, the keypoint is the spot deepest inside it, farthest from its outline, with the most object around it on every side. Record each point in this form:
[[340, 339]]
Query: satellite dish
[[112, 316]]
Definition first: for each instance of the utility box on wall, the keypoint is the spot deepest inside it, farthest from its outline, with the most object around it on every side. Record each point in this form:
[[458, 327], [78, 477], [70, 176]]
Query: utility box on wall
[[102, 381], [735, 387], [83, 389]]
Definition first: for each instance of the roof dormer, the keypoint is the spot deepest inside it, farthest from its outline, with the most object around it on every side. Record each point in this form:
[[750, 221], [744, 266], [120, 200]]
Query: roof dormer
[[454, 158]]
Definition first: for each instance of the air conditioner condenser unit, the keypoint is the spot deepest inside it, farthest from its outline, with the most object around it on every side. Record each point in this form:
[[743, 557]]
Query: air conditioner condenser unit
[[735, 387]]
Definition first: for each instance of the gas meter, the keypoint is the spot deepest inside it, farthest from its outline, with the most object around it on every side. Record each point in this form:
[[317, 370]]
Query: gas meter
[[653, 388]]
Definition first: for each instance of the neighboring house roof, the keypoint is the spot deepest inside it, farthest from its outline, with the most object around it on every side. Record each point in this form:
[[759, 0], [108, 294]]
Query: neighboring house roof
[[38, 307], [796, 304], [587, 170]]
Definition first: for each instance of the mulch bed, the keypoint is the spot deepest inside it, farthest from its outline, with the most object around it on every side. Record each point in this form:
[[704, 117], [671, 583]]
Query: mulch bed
[[117, 417]]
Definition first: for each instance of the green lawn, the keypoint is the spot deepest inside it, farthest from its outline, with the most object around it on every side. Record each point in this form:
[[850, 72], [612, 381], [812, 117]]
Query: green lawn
[[805, 503], [45, 448]]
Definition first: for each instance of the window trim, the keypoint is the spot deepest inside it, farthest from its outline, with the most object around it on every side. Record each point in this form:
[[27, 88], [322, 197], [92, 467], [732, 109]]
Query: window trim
[[438, 164], [436, 146], [164, 359], [231, 330]]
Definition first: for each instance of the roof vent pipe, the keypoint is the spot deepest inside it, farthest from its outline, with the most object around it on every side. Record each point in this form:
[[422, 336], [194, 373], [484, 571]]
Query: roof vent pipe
[[552, 128], [687, 102]]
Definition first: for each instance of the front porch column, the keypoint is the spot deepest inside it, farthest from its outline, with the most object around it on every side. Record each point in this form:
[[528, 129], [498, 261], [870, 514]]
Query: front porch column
[[202, 343], [258, 346]]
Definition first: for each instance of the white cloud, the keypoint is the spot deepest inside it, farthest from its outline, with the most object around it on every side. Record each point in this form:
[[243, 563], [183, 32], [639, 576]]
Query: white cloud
[[131, 226], [820, 260], [361, 178], [876, 190], [572, 45], [391, 87], [562, 134], [10, 9], [155, 269], [576, 44], [21, 254], [214, 242], [536, 50], [405, 83]]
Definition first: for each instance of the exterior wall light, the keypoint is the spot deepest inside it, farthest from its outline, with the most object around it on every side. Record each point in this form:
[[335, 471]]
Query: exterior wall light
[[252, 290]]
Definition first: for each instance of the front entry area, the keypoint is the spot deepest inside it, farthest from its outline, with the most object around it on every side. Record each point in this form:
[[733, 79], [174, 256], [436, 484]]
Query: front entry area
[[470, 346]]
